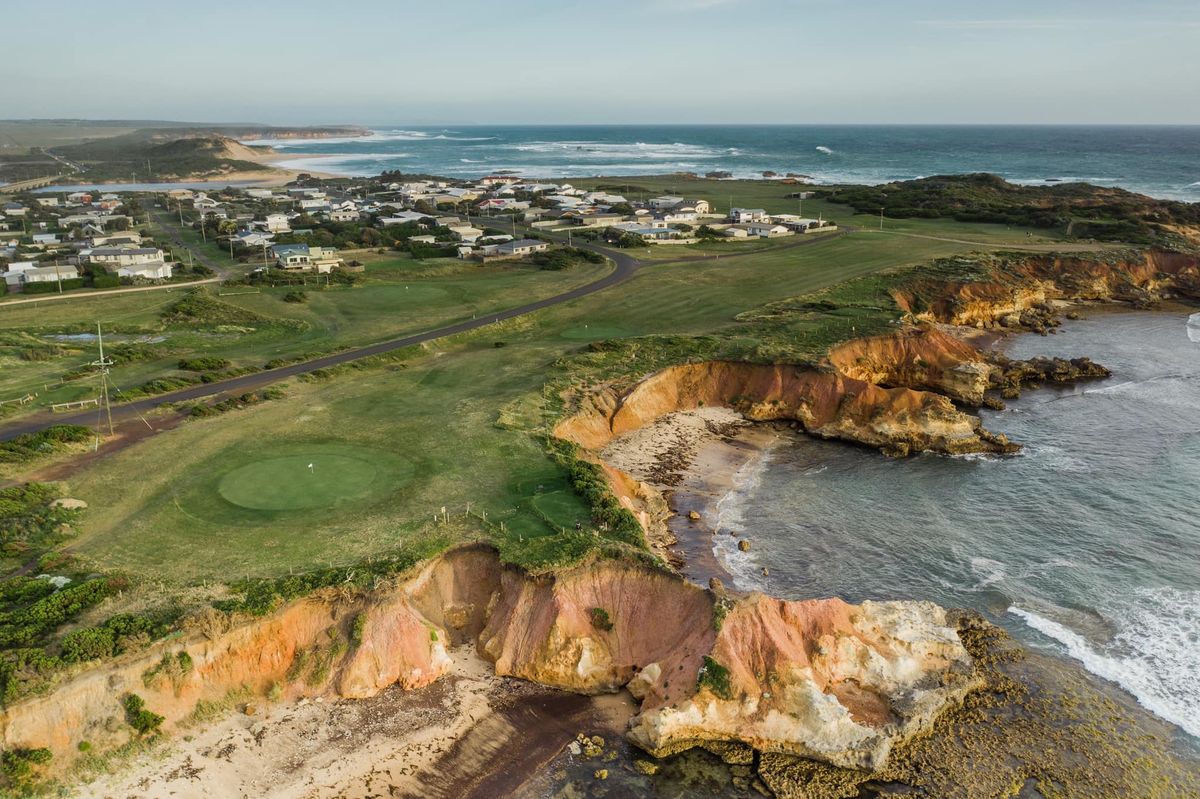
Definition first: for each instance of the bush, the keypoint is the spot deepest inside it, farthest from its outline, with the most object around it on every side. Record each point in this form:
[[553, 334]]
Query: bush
[[715, 678], [601, 620], [138, 717], [51, 287], [17, 764], [44, 442], [296, 296], [204, 364]]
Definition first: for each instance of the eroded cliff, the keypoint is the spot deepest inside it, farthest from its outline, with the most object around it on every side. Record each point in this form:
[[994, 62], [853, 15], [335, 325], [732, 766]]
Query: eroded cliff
[[835, 682]]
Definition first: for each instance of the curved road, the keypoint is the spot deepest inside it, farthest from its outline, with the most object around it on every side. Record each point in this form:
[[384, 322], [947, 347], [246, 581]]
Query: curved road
[[626, 267]]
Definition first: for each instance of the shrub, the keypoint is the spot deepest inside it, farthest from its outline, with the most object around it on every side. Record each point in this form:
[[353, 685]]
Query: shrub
[[296, 296], [601, 620], [715, 678], [137, 716], [204, 364], [17, 764], [44, 442]]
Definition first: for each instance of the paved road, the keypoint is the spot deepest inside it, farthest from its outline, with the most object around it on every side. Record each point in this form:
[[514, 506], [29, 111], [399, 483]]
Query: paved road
[[626, 268]]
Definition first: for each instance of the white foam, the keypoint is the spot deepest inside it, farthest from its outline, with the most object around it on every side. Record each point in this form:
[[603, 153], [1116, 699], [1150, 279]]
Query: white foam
[[988, 571], [1193, 326], [341, 164], [823, 149], [1153, 656], [743, 567]]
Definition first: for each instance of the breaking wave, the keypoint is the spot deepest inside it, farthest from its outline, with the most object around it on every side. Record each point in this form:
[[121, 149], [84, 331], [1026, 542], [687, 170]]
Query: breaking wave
[[823, 149], [1153, 655]]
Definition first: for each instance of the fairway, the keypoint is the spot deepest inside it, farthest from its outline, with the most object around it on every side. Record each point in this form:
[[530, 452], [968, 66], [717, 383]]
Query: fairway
[[295, 482]]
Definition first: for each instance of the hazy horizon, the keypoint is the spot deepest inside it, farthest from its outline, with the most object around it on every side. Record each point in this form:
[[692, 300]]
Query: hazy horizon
[[619, 62]]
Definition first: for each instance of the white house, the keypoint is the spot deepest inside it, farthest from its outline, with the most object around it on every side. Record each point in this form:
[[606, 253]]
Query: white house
[[466, 233], [520, 248], [122, 256], [343, 215], [742, 216], [766, 230], [43, 274], [147, 271], [277, 223]]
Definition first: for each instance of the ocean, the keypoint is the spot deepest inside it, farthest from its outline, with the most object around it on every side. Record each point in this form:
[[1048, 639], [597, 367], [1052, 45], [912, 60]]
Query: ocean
[[1159, 161], [1085, 545]]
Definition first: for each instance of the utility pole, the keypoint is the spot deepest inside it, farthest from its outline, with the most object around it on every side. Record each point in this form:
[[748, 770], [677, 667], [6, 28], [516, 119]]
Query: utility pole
[[102, 367], [881, 219]]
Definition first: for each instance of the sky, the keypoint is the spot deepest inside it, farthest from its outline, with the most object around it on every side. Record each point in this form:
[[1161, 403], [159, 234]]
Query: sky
[[383, 62]]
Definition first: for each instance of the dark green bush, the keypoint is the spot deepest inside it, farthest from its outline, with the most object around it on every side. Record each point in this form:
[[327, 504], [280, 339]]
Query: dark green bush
[[138, 717]]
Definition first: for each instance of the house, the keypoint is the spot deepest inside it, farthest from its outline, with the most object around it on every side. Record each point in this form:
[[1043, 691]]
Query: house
[[520, 248], [303, 258], [503, 204], [660, 203], [253, 238], [43, 274], [149, 271], [259, 194], [802, 224], [741, 216], [44, 239], [466, 233], [645, 233], [203, 201], [12, 276], [766, 230], [736, 232], [343, 215], [403, 218], [675, 215], [277, 223], [424, 239], [313, 204], [50, 201], [85, 198], [598, 220], [15, 209], [134, 262]]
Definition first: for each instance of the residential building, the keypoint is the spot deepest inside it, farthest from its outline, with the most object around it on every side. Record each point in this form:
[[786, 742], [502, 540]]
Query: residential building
[[122, 256], [742, 216], [521, 248], [41, 274], [303, 258], [277, 223]]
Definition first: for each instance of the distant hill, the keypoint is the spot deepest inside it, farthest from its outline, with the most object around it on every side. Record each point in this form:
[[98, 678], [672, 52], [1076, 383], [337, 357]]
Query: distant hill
[[1081, 209], [163, 155]]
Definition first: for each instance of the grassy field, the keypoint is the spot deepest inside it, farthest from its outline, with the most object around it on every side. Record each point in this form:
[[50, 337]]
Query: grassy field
[[455, 419], [397, 297]]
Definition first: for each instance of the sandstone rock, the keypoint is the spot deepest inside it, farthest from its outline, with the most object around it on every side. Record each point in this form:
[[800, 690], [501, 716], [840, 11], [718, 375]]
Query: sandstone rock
[[694, 515], [647, 767], [744, 545], [250, 709], [715, 585], [600, 773], [68, 503]]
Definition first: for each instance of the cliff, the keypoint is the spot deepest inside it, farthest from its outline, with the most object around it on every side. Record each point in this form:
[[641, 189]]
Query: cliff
[[830, 681]]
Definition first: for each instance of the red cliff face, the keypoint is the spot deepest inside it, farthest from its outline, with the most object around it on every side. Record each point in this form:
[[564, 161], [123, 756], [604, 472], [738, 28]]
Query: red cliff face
[[836, 682]]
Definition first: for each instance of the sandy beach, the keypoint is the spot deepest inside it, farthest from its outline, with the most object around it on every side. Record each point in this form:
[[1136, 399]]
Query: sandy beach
[[693, 458]]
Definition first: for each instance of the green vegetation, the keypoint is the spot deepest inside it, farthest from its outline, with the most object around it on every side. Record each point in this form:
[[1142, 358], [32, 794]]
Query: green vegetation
[[54, 439], [1077, 210], [20, 767], [601, 620], [143, 721], [715, 678]]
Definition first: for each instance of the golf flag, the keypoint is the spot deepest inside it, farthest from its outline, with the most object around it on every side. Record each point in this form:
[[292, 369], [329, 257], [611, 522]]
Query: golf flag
[[310, 467]]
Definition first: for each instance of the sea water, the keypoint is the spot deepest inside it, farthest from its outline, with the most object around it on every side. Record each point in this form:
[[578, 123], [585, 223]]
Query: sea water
[[1162, 161], [1086, 544]]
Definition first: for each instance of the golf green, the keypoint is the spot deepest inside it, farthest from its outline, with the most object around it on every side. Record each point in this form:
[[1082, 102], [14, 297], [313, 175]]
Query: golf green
[[298, 482]]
